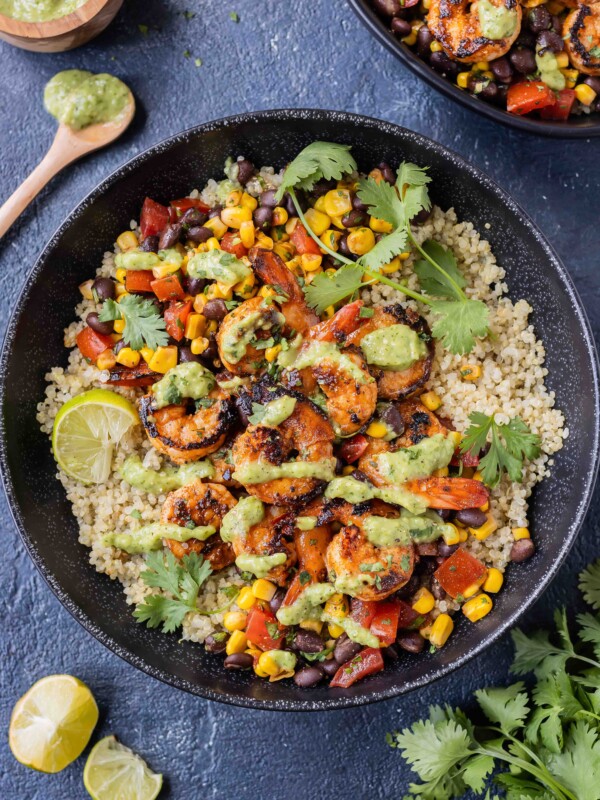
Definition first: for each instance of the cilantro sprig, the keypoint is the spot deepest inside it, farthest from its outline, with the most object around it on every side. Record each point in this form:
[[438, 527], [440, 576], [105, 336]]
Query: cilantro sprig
[[459, 319], [549, 738], [143, 324], [510, 444], [181, 580]]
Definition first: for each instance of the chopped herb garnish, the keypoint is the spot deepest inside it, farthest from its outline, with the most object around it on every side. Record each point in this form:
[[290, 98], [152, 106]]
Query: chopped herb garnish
[[135, 514], [234, 16], [304, 577], [144, 326]]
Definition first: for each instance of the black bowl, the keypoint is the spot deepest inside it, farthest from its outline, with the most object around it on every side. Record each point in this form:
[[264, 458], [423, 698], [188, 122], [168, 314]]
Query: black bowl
[[581, 127], [35, 342]]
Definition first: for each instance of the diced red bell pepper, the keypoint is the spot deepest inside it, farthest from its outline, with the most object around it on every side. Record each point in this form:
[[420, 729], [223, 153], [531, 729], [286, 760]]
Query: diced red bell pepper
[[363, 611], [153, 218], [303, 242], [527, 96], [141, 375], [407, 616], [460, 572], [561, 109], [176, 316], [257, 631], [91, 344], [385, 622], [367, 662], [139, 280], [168, 288], [352, 449], [232, 243], [185, 203]]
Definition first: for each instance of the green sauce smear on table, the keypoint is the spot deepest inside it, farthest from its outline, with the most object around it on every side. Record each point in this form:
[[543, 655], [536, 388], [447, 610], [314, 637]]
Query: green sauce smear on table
[[78, 98]]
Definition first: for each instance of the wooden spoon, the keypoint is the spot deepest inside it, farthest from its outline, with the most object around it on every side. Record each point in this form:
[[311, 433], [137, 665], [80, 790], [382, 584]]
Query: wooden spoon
[[68, 146]]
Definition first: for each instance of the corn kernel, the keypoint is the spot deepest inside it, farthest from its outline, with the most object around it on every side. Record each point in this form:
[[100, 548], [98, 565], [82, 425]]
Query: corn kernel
[[233, 216], [451, 534], [317, 221], [247, 234], [320, 204], [493, 582], [290, 225], [477, 476], [127, 240], [236, 643], [470, 372], [234, 620], [212, 326], [555, 7], [162, 270], [443, 472], [488, 527], [199, 345], [562, 60], [521, 533], [485, 507], [482, 66], [246, 288], [423, 601], [473, 588], [86, 290], [194, 326], [199, 303], [411, 39], [310, 261], [245, 598], [360, 241], [234, 198], [463, 535], [119, 325], [263, 589], [271, 353], [123, 293], [571, 76], [431, 401], [146, 353], [120, 275], [217, 226], [128, 357], [435, 47], [260, 672], [106, 359], [280, 216], [337, 202], [440, 630], [379, 225], [337, 606], [425, 631], [476, 608], [164, 359], [284, 250], [311, 625], [426, 4], [249, 202], [337, 221], [455, 437], [347, 470], [217, 291], [335, 631], [393, 266], [585, 94], [264, 241], [377, 430]]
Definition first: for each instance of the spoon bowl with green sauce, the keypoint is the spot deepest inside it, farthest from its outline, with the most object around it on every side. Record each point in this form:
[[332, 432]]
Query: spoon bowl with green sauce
[[92, 110]]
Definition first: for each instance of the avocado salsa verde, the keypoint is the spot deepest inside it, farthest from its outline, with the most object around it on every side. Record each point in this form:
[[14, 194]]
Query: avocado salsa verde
[[78, 98], [294, 488]]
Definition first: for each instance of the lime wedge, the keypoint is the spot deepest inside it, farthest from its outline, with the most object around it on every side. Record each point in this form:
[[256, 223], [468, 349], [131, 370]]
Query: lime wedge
[[52, 723], [114, 772], [86, 430]]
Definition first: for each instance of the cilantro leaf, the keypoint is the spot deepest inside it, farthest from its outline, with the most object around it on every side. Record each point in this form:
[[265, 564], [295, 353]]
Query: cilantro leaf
[[385, 250], [459, 322], [534, 652], [382, 199], [258, 413], [578, 766], [589, 631], [144, 326], [412, 175], [477, 770], [158, 609], [326, 290], [589, 583], [432, 280], [319, 160], [507, 707]]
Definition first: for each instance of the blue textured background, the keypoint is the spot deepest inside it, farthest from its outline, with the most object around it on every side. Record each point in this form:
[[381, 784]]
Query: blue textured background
[[313, 53]]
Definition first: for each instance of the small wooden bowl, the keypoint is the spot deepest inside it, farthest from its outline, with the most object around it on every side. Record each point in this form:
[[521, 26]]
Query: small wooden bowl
[[63, 33]]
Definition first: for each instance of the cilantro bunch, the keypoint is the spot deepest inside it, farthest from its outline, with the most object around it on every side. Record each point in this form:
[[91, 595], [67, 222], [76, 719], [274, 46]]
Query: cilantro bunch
[[549, 737], [459, 319], [144, 326]]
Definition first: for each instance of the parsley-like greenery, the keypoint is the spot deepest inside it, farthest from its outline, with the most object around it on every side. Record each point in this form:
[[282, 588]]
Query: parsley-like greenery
[[144, 326], [510, 444], [459, 319], [549, 738], [180, 579]]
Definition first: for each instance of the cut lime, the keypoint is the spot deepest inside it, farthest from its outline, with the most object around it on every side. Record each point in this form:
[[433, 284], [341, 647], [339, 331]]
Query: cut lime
[[52, 723], [86, 430], [114, 772]]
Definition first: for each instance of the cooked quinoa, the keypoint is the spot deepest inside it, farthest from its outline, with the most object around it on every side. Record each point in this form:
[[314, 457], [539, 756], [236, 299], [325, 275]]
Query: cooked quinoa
[[511, 384]]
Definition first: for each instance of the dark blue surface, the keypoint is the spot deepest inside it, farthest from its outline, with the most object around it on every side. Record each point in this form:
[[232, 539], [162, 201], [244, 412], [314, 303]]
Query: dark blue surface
[[313, 53]]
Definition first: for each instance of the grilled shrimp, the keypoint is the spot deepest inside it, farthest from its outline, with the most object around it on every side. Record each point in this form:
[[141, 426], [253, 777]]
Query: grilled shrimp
[[243, 330], [356, 565], [200, 504], [306, 435], [457, 26], [311, 547], [392, 384], [418, 421], [581, 32], [187, 436], [274, 534], [344, 378]]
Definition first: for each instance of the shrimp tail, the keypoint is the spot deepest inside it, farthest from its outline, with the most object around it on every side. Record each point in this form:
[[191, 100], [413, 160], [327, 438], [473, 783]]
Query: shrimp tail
[[342, 324], [311, 547], [450, 493], [272, 271]]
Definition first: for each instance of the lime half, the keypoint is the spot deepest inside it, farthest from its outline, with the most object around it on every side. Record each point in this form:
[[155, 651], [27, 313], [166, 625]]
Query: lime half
[[114, 772], [52, 723], [86, 430]]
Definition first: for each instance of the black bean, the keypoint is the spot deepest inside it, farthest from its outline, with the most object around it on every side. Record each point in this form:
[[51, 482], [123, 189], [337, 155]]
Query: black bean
[[525, 39], [212, 351], [358, 204], [359, 475], [354, 218], [192, 218], [428, 549], [186, 355], [550, 41], [150, 244], [170, 236], [441, 63], [401, 27], [308, 641], [501, 95], [199, 234], [239, 661], [276, 601], [437, 591], [593, 82], [387, 7], [422, 216], [345, 649], [215, 212], [424, 39], [288, 204], [522, 550], [444, 513], [104, 288], [471, 517], [523, 61], [502, 69], [411, 641], [322, 187], [268, 199], [330, 667], [409, 588], [245, 171], [105, 328], [388, 173], [489, 91], [539, 19], [343, 247], [339, 466], [119, 346], [215, 309], [195, 285], [263, 216], [391, 652], [307, 677], [446, 550], [393, 419], [215, 645]]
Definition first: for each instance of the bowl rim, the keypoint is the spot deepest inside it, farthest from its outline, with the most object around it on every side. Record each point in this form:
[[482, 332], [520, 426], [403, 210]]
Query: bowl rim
[[337, 702], [53, 28], [376, 26]]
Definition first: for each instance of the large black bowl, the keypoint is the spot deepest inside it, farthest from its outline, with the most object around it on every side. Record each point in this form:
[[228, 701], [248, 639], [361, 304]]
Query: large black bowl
[[35, 342], [583, 126]]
